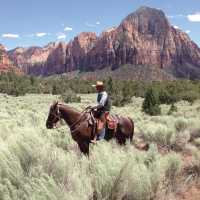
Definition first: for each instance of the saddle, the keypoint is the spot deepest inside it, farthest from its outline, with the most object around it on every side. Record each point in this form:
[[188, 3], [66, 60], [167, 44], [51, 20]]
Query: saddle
[[112, 121]]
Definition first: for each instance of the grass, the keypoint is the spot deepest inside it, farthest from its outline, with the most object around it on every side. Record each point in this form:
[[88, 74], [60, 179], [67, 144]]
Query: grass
[[36, 163]]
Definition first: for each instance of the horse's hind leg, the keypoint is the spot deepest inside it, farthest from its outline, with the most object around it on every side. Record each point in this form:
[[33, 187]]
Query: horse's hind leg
[[132, 130], [120, 138], [84, 147]]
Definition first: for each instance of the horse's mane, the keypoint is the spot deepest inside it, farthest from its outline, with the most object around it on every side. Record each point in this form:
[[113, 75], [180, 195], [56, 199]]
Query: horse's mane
[[68, 107]]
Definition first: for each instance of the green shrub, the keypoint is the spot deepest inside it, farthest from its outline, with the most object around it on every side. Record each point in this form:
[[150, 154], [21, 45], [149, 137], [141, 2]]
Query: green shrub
[[151, 102], [196, 142], [166, 98], [181, 124], [117, 99], [109, 85], [69, 96], [182, 139], [190, 96], [120, 92], [173, 169], [56, 89], [160, 134], [172, 109]]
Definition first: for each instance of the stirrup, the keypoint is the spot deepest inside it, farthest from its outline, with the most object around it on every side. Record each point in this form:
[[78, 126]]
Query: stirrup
[[93, 141]]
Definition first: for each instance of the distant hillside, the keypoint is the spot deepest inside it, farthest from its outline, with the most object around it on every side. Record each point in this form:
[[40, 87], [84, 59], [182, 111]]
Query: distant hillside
[[5, 63], [144, 40]]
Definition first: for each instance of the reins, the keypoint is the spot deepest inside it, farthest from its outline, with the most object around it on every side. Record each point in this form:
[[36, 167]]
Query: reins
[[58, 115], [77, 121]]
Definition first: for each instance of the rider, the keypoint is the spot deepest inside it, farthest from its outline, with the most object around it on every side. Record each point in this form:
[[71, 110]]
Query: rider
[[103, 108]]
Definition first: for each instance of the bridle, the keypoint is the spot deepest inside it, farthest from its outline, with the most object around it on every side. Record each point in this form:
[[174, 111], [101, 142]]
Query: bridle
[[56, 115]]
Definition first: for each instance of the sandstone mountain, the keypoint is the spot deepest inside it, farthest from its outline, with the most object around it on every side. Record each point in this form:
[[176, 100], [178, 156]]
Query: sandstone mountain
[[5, 63], [32, 60], [144, 40]]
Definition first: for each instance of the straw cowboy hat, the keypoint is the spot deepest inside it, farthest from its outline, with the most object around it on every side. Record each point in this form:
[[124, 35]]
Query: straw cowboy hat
[[98, 84]]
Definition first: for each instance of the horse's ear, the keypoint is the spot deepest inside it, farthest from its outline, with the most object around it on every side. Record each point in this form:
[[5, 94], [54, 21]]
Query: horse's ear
[[55, 104]]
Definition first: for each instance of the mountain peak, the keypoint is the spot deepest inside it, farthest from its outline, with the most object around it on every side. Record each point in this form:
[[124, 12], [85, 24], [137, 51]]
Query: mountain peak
[[2, 48], [147, 12], [147, 20], [148, 9], [144, 38]]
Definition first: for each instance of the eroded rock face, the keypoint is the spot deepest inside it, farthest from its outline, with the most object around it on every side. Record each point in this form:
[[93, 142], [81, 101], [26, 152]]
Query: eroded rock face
[[32, 60], [144, 37], [5, 64], [4, 60], [55, 63], [77, 51]]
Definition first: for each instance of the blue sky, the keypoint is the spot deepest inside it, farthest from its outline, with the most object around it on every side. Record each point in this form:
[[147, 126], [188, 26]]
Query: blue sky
[[38, 22]]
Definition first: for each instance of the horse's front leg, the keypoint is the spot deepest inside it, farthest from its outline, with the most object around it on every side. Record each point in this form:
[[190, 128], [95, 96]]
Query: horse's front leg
[[120, 136], [121, 139], [84, 147]]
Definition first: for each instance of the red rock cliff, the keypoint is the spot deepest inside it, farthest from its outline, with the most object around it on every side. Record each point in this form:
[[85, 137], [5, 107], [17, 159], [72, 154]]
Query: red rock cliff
[[144, 37]]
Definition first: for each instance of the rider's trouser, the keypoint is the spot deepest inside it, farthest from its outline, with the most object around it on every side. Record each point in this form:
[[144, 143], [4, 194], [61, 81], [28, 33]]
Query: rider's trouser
[[101, 122], [101, 134]]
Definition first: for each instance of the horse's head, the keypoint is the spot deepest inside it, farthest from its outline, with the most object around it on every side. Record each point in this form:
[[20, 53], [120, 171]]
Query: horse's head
[[54, 116]]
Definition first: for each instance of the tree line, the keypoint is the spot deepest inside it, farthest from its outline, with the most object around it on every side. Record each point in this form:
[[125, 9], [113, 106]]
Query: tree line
[[121, 92]]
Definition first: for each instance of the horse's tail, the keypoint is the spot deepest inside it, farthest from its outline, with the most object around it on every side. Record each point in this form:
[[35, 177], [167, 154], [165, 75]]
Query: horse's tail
[[132, 131]]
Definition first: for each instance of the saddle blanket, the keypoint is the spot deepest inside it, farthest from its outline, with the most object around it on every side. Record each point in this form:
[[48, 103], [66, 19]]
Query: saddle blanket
[[112, 122]]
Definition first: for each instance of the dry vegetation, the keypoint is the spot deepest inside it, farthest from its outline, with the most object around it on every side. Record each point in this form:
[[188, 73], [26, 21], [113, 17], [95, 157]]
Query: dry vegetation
[[36, 163]]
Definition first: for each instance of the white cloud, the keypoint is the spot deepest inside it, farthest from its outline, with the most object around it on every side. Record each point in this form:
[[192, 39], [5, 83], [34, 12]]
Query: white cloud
[[41, 34], [170, 16], [90, 25], [194, 17], [188, 31], [61, 36], [10, 35], [176, 27], [176, 16], [68, 28]]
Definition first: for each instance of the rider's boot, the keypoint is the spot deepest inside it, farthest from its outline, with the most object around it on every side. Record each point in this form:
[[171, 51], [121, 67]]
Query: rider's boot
[[94, 141], [99, 136]]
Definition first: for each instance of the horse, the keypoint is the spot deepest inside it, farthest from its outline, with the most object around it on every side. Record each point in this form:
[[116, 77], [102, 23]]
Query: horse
[[82, 126]]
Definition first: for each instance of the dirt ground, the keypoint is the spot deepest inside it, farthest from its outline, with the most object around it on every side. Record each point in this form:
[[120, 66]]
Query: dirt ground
[[192, 193]]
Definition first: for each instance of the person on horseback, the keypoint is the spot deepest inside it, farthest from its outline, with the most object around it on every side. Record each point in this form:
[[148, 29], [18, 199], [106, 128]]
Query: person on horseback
[[101, 109]]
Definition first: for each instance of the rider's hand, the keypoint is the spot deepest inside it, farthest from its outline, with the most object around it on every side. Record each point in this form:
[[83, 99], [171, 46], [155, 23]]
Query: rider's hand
[[88, 108]]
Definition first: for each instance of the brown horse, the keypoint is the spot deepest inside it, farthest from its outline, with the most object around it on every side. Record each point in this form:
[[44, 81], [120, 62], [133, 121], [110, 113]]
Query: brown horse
[[83, 129]]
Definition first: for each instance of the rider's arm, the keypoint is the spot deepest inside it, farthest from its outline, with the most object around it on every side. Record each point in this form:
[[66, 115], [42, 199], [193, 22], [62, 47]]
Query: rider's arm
[[103, 99], [102, 102]]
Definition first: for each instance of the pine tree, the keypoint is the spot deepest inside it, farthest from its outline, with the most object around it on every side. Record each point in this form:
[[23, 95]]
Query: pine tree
[[1, 56], [126, 93], [110, 86], [151, 102], [172, 109]]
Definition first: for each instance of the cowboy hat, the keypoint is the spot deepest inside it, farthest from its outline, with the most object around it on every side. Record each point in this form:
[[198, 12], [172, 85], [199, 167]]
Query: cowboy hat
[[98, 84]]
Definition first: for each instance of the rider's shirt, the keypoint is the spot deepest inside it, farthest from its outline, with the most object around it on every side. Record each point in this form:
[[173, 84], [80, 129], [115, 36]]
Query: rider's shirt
[[103, 99]]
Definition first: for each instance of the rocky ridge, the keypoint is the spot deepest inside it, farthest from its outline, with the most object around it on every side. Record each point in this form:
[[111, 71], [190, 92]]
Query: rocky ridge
[[143, 38]]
